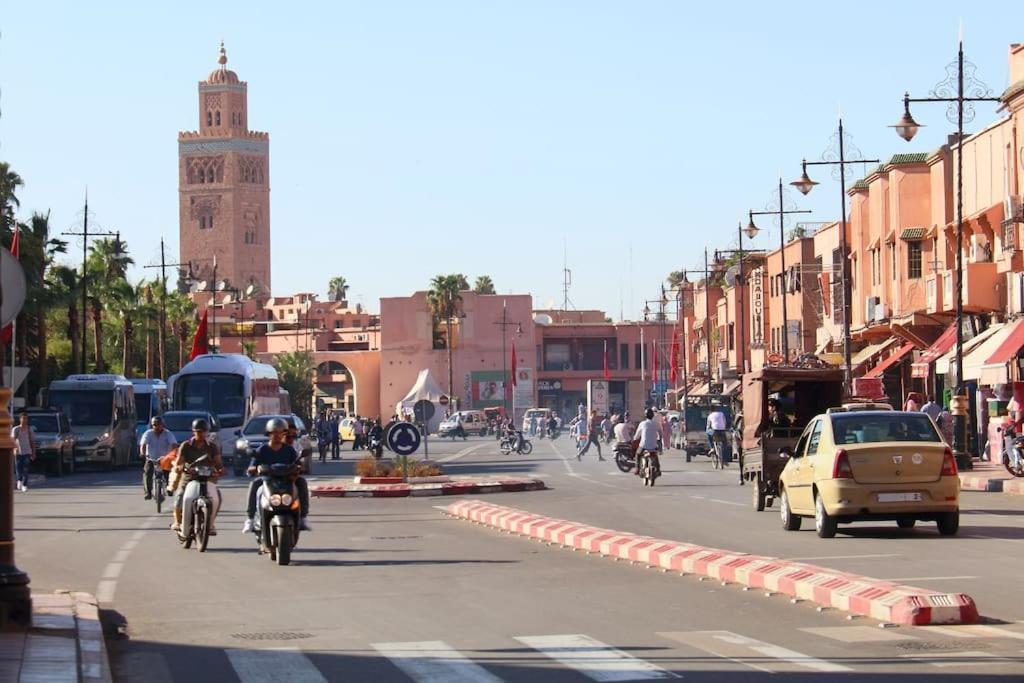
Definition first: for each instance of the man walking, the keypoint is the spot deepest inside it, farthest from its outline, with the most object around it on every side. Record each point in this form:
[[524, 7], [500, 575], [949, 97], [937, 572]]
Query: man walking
[[25, 451], [593, 432], [357, 431], [156, 442], [335, 436]]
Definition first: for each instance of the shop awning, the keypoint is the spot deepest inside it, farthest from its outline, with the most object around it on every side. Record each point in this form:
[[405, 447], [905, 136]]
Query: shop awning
[[995, 371], [891, 361], [870, 351], [975, 360], [943, 363], [938, 348], [732, 387]]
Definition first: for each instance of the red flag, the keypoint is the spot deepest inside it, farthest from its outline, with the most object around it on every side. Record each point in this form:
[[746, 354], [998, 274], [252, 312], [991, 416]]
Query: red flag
[[200, 343], [654, 363], [514, 363], [607, 374], [7, 333], [674, 361]]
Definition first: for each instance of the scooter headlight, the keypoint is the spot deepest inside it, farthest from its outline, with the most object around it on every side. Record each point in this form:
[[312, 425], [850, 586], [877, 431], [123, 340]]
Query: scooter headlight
[[286, 499], [275, 499]]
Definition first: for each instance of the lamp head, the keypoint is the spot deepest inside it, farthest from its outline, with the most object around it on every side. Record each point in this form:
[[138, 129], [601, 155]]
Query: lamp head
[[906, 127], [751, 230], [804, 182]]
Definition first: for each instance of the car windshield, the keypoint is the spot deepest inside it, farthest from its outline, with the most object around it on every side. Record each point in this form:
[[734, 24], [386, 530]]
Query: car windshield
[[256, 426], [221, 394], [854, 428], [180, 422], [44, 424], [85, 408], [143, 407]]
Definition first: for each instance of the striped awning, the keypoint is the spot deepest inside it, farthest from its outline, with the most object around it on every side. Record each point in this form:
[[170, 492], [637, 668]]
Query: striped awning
[[913, 234]]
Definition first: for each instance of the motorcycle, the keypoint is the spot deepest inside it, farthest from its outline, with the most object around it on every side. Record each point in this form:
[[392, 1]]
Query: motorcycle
[[515, 442], [1013, 461], [625, 456], [647, 469], [199, 505], [277, 513], [376, 446]]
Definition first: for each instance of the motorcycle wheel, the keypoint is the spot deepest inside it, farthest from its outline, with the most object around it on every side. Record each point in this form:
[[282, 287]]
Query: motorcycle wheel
[[1015, 471], [527, 448], [505, 449], [623, 463], [202, 526], [284, 545]]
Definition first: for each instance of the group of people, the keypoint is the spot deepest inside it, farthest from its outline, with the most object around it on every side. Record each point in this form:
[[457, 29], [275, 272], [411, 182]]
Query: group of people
[[917, 402], [162, 453], [325, 426]]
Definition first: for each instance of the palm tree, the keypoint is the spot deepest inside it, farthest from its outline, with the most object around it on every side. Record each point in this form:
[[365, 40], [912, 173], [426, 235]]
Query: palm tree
[[295, 372], [108, 268], [483, 285], [181, 313], [676, 278], [124, 299], [337, 288], [65, 286], [444, 299], [10, 182]]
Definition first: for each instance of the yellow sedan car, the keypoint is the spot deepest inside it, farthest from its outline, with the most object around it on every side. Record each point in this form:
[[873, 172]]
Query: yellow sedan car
[[346, 431], [870, 465]]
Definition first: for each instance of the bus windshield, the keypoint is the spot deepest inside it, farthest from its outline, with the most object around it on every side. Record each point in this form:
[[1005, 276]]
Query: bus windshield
[[221, 394], [85, 408], [143, 407]]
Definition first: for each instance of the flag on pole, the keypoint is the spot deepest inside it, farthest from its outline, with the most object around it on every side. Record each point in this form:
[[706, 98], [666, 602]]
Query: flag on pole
[[654, 362], [607, 374], [8, 331], [674, 361], [200, 343], [514, 363]]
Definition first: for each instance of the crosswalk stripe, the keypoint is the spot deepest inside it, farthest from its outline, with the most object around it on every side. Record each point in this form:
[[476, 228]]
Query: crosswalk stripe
[[594, 659], [741, 649], [859, 634], [272, 666], [974, 631], [434, 661]]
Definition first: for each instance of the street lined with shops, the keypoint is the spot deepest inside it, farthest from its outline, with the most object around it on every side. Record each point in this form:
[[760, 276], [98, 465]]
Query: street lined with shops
[[395, 590]]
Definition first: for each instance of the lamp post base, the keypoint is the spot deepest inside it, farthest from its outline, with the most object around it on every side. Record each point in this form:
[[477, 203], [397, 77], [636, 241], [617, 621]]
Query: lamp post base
[[15, 598], [963, 458]]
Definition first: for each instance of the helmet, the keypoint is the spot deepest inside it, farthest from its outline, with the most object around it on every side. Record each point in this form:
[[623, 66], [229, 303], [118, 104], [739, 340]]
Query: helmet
[[200, 425], [276, 424], [157, 420]]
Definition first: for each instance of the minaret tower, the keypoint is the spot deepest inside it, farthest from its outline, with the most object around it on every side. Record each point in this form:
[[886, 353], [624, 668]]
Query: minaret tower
[[224, 186]]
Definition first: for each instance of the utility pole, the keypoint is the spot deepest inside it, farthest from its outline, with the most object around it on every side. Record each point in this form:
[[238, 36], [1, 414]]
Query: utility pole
[[162, 332], [504, 323], [85, 235], [707, 315]]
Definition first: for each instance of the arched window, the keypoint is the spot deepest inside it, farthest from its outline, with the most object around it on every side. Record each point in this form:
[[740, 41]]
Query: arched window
[[209, 174], [209, 118], [216, 117]]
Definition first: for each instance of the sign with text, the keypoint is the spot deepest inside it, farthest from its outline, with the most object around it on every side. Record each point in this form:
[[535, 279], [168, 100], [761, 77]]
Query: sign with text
[[597, 396]]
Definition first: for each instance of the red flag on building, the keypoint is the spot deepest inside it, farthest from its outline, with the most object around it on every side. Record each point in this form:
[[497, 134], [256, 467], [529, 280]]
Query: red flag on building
[[200, 343], [607, 374], [514, 364], [674, 361], [7, 333], [654, 362]]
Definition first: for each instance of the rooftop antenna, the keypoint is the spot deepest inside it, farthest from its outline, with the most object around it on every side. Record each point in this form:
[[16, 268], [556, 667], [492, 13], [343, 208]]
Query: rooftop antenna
[[566, 278]]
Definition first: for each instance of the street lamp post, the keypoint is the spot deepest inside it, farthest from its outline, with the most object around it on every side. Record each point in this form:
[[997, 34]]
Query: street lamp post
[[504, 323], [752, 230], [959, 91], [835, 155]]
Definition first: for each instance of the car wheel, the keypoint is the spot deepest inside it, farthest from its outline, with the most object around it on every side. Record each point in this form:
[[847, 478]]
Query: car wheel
[[758, 493], [906, 523], [790, 522], [949, 523], [824, 524]]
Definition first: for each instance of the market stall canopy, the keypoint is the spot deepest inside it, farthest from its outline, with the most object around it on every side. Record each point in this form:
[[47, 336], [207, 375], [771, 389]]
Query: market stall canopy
[[939, 347], [870, 351], [942, 364], [426, 388], [974, 361], [891, 361], [994, 371]]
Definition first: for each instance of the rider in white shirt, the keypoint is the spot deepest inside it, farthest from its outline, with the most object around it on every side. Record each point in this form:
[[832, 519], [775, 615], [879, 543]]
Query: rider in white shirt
[[649, 434], [716, 427]]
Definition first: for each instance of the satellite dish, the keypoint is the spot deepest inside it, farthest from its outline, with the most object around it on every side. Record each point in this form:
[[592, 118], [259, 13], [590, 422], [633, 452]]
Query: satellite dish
[[228, 298], [730, 276], [251, 289], [542, 319], [12, 280], [203, 286], [193, 287], [222, 285]]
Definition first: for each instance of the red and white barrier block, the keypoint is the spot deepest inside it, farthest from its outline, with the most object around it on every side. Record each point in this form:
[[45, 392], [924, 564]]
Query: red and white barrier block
[[448, 488], [882, 600]]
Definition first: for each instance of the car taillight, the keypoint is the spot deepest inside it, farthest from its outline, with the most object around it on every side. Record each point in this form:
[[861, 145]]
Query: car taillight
[[841, 469], [948, 463]]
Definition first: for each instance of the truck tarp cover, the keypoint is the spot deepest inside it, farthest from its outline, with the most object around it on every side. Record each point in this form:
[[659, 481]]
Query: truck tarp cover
[[755, 391]]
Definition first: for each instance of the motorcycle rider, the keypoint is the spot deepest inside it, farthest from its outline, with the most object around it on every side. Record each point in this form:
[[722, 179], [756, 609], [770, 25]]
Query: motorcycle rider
[[275, 451], [552, 425], [156, 442], [188, 453], [375, 435], [649, 434]]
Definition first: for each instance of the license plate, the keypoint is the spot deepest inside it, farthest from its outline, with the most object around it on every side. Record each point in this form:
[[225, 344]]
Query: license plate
[[898, 497]]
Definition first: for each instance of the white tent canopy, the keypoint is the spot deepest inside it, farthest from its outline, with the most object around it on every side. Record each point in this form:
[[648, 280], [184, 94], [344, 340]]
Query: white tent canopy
[[425, 388]]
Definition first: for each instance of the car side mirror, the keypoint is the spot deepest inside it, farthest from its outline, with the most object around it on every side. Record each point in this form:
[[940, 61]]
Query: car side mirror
[[786, 452], [238, 432]]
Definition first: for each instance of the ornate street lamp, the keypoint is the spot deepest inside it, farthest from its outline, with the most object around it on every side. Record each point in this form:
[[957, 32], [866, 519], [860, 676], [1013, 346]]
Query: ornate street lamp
[[959, 91]]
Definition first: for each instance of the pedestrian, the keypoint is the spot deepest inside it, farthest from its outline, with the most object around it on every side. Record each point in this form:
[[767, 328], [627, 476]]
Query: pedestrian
[[592, 430], [606, 429], [913, 402], [335, 436], [156, 442], [931, 408], [25, 451], [357, 431]]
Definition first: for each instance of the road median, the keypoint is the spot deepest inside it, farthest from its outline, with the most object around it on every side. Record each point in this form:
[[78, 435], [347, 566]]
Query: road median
[[862, 595], [454, 487]]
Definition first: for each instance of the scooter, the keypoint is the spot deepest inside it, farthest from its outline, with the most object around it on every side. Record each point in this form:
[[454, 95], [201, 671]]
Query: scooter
[[277, 515], [199, 505], [376, 446]]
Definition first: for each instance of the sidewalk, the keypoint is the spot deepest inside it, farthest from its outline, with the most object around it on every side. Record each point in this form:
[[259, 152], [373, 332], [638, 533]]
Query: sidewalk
[[64, 645], [991, 477]]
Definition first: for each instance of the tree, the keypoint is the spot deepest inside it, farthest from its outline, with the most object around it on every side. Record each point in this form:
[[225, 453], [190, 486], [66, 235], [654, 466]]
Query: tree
[[444, 299], [249, 349], [295, 374], [337, 288], [65, 287], [10, 182], [483, 285], [126, 301], [676, 278], [107, 269], [181, 314]]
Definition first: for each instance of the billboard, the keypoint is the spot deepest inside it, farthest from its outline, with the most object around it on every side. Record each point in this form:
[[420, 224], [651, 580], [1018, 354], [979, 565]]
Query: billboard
[[487, 388]]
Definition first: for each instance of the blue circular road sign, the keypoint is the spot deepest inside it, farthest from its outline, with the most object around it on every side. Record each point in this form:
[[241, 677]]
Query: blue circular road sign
[[403, 438]]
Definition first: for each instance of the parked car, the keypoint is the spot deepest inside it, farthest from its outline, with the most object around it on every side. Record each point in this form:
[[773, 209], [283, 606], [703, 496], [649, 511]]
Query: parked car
[[253, 435], [531, 413], [473, 421], [179, 423], [872, 465], [345, 430], [55, 442]]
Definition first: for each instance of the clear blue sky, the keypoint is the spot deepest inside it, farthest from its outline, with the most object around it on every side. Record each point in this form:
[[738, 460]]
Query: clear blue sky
[[415, 138]]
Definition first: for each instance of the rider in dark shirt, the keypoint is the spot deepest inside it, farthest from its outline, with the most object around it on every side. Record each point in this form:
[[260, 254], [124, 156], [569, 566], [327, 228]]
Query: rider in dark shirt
[[276, 452]]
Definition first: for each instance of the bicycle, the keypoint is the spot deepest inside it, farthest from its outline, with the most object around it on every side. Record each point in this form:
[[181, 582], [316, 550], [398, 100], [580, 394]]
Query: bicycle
[[159, 487]]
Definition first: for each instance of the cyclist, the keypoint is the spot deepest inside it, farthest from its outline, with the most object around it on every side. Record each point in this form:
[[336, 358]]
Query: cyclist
[[190, 451], [716, 427], [156, 442]]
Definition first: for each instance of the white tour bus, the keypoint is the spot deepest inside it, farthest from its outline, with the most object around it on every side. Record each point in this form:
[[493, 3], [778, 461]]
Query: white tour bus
[[231, 386], [150, 400], [101, 410]]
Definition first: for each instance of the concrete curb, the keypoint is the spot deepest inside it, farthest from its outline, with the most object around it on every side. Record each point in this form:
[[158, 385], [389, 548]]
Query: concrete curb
[[975, 482], [451, 488], [93, 664], [882, 600], [65, 641]]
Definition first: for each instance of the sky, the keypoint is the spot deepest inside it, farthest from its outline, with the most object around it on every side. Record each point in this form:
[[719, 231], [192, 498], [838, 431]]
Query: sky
[[410, 139]]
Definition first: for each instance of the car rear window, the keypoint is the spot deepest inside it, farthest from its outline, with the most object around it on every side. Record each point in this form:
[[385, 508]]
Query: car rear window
[[878, 427]]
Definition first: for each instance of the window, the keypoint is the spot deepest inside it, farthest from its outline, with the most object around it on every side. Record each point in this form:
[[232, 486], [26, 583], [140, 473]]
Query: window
[[913, 260], [209, 118], [812, 443], [206, 222], [874, 267], [638, 356], [624, 357], [892, 261], [216, 117], [731, 335]]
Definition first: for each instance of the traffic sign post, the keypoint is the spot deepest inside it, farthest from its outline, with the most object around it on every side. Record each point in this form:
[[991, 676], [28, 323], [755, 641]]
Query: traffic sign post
[[403, 439], [423, 410]]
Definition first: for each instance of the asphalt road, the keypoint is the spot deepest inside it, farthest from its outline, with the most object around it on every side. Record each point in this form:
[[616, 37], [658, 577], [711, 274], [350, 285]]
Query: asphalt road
[[391, 590]]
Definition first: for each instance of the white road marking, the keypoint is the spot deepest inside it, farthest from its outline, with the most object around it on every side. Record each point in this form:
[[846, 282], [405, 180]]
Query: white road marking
[[728, 502], [594, 659], [107, 586], [105, 590], [113, 570], [928, 578], [859, 634], [840, 557], [740, 649], [963, 658], [464, 452], [434, 661], [974, 631], [266, 666]]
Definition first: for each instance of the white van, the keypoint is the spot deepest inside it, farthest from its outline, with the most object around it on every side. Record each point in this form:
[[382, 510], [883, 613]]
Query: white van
[[101, 409], [473, 421]]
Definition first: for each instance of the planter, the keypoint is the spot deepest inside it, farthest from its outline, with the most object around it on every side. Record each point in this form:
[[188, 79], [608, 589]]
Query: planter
[[377, 480]]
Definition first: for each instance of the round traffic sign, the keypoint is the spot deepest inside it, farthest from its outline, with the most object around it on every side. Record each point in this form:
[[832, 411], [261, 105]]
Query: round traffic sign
[[403, 438], [443, 400], [12, 282], [423, 410]]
